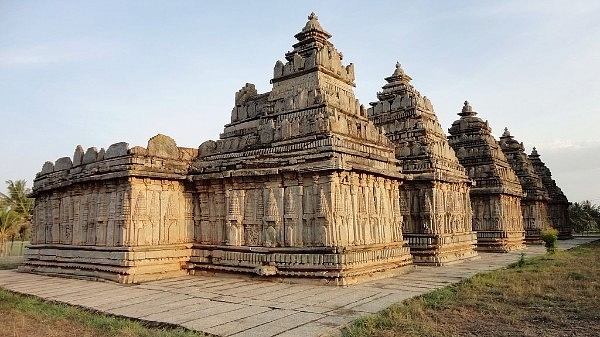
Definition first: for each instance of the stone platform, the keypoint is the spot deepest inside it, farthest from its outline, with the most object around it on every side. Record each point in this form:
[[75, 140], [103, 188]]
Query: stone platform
[[228, 306]]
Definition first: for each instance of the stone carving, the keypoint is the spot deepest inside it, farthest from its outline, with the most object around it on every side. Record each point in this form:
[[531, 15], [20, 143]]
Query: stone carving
[[558, 205], [496, 196], [534, 204], [163, 146], [437, 233]]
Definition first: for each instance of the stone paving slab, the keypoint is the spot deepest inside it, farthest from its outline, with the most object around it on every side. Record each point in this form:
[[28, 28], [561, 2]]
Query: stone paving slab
[[228, 306]]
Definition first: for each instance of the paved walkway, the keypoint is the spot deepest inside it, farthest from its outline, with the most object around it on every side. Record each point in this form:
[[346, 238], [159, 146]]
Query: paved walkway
[[227, 306]]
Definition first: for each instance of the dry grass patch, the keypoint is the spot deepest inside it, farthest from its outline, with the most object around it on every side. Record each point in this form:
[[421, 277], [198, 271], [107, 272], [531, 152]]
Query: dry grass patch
[[28, 316], [553, 295]]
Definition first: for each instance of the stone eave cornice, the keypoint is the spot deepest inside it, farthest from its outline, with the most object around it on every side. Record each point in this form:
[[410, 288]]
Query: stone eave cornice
[[131, 165], [316, 68]]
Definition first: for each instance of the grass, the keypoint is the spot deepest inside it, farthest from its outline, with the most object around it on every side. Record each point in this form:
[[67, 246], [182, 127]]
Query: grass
[[29, 316], [4, 266], [552, 295]]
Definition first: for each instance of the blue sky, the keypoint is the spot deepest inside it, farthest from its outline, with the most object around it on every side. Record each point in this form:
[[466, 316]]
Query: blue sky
[[97, 73]]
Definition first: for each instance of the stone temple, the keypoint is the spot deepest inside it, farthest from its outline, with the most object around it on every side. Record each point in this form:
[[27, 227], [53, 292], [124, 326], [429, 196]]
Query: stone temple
[[304, 184]]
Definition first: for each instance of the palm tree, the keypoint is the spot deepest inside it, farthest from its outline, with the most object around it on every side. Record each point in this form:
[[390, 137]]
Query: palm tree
[[17, 208], [10, 224]]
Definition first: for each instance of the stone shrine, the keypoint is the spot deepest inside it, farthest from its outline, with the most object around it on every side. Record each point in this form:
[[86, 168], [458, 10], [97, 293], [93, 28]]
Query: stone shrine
[[534, 204], [301, 184], [558, 205], [435, 202], [304, 185], [496, 196]]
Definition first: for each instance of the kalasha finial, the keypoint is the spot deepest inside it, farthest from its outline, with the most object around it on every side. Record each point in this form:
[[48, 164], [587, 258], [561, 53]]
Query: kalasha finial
[[398, 71], [467, 110], [534, 152], [506, 133], [313, 16]]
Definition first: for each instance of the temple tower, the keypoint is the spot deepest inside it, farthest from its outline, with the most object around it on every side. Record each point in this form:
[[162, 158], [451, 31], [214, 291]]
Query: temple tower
[[496, 196], [435, 200], [301, 183], [534, 204], [558, 204]]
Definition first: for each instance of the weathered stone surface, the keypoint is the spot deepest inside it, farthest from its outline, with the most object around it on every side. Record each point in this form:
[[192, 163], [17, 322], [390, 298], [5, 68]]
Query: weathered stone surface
[[63, 163], [78, 156], [163, 146], [90, 156], [117, 150], [534, 204], [558, 205], [48, 167], [496, 196]]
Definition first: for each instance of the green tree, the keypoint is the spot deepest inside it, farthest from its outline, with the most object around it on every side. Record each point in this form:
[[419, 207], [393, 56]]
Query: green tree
[[17, 210], [10, 224], [585, 216]]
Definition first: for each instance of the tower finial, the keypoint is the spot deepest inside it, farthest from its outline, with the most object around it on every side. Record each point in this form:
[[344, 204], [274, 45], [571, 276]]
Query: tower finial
[[506, 132], [467, 110], [534, 152], [313, 16]]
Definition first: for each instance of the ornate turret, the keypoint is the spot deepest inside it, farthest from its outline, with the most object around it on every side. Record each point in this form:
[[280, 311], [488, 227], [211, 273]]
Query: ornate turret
[[534, 204], [558, 204], [437, 177], [496, 197]]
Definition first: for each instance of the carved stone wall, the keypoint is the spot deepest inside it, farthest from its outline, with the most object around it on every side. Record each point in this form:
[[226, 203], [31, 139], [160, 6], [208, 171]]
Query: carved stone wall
[[534, 204], [122, 214], [558, 204], [435, 202], [496, 196]]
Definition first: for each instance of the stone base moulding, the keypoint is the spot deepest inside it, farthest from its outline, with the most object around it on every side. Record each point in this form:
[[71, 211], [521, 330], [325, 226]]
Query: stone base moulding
[[118, 264], [321, 265]]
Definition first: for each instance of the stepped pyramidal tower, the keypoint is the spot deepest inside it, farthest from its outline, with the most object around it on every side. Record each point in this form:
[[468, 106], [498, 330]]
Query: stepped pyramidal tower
[[496, 196], [558, 205], [534, 204], [435, 201], [303, 173]]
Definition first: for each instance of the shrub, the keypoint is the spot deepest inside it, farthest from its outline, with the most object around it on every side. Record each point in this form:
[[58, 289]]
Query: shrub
[[549, 236]]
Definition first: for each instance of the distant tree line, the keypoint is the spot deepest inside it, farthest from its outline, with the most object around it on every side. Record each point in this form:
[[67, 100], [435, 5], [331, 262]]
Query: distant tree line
[[585, 216], [16, 211]]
